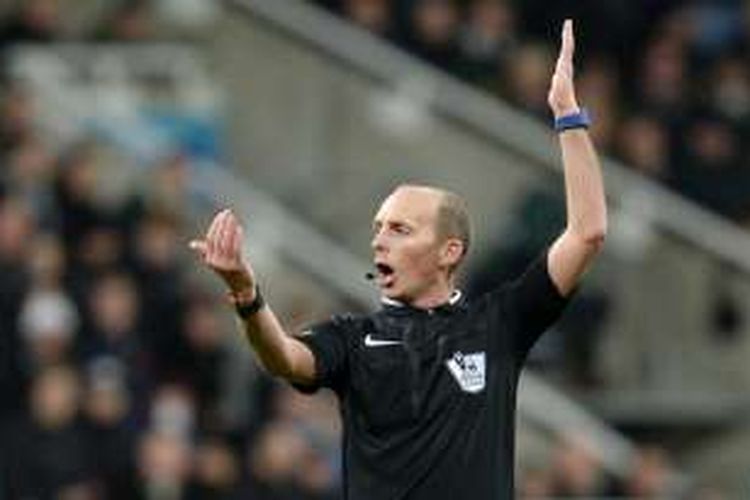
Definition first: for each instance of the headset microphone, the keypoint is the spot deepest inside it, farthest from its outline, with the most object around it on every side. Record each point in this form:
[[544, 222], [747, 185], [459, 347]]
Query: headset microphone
[[370, 276]]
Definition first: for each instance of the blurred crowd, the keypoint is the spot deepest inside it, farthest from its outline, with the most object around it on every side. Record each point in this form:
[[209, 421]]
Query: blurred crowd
[[573, 469], [115, 360], [667, 81], [41, 21]]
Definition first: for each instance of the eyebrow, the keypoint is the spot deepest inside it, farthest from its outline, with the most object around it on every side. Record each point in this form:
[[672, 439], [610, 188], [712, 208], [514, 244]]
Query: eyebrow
[[376, 223]]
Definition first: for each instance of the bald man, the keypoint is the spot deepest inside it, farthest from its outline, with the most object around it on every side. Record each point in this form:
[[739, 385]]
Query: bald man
[[427, 384]]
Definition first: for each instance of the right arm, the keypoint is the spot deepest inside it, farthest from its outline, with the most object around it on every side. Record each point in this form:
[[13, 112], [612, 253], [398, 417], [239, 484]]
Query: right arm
[[280, 354]]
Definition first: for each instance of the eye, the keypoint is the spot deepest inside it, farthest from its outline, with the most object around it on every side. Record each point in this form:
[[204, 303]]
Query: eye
[[401, 229]]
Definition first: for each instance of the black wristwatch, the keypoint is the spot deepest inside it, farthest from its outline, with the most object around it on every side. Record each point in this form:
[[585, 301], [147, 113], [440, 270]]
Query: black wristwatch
[[246, 309]]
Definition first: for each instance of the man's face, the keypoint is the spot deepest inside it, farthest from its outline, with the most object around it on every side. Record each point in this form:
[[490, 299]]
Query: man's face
[[406, 245]]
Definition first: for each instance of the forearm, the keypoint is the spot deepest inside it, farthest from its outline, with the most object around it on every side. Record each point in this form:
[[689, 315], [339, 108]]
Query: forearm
[[221, 251], [571, 254], [279, 353], [584, 190]]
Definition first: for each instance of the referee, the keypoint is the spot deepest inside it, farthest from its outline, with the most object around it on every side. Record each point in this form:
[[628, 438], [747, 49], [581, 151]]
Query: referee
[[427, 384]]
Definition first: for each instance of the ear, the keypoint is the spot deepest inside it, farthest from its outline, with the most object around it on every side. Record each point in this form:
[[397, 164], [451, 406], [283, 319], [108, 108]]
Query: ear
[[452, 252]]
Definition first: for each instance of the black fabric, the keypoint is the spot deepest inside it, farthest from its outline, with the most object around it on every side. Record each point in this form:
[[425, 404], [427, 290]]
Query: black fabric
[[40, 462], [428, 396]]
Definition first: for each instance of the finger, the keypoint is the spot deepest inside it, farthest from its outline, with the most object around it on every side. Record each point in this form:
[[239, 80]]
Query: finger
[[234, 239], [214, 223], [221, 235], [199, 247], [233, 225], [225, 236], [564, 65], [212, 237], [568, 42], [237, 238]]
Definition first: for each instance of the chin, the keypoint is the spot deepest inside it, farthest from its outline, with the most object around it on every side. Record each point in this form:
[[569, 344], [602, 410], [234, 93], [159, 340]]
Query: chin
[[390, 293], [397, 295]]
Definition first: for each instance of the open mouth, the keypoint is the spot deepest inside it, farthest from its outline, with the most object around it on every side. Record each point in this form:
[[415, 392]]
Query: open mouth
[[385, 274], [384, 269]]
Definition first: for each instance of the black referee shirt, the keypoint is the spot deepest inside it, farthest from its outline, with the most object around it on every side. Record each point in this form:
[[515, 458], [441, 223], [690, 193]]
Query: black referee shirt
[[428, 397]]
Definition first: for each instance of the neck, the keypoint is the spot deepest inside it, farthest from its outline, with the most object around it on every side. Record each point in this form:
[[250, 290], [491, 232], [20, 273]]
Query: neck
[[436, 296]]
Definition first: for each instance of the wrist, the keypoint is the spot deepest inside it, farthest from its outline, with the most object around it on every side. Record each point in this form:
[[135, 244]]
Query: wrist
[[578, 119], [242, 295], [240, 283], [247, 302], [566, 110]]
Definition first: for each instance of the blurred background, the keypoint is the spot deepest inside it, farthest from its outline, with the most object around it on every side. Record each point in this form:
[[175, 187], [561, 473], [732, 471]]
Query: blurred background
[[124, 126]]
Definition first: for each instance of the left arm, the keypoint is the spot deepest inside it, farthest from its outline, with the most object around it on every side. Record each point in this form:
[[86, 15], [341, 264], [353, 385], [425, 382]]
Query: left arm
[[574, 250]]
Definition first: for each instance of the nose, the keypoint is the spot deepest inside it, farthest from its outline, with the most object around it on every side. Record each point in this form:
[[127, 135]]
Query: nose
[[378, 242]]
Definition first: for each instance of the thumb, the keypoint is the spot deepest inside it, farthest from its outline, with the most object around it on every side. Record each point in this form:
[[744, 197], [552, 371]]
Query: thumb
[[198, 246]]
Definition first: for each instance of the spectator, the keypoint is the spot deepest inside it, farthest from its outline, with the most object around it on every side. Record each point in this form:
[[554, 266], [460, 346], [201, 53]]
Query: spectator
[[166, 192], [199, 357], [98, 252], [112, 332], [75, 193], [49, 322], [708, 168], [598, 85], [315, 477], [730, 91], [273, 462], [373, 15], [434, 33], [160, 281], [528, 78], [487, 40], [16, 227], [576, 470], [216, 471], [34, 21], [47, 261], [30, 166], [643, 143], [535, 483], [662, 83], [651, 475], [173, 411], [107, 410], [130, 21], [16, 116], [49, 452], [163, 466]]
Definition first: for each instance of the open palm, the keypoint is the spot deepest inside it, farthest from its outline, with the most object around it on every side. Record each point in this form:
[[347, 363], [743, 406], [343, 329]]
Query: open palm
[[221, 251], [561, 97]]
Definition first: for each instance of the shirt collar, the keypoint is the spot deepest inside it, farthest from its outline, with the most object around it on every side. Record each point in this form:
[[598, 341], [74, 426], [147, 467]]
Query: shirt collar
[[454, 299]]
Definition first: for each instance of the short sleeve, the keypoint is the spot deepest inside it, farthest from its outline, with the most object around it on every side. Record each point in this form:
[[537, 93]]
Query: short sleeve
[[328, 343], [532, 303]]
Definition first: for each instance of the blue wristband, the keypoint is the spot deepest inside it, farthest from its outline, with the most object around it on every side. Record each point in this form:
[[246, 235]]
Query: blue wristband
[[573, 120]]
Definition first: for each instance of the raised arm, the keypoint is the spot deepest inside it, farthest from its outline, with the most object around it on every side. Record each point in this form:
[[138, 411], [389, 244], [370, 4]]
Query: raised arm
[[280, 354], [573, 251]]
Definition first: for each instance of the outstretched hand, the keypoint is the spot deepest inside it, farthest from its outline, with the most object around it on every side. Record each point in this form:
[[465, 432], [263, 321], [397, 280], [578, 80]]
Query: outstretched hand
[[221, 251], [561, 97]]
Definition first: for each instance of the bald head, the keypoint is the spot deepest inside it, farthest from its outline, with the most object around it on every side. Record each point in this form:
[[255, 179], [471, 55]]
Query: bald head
[[451, 212]]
